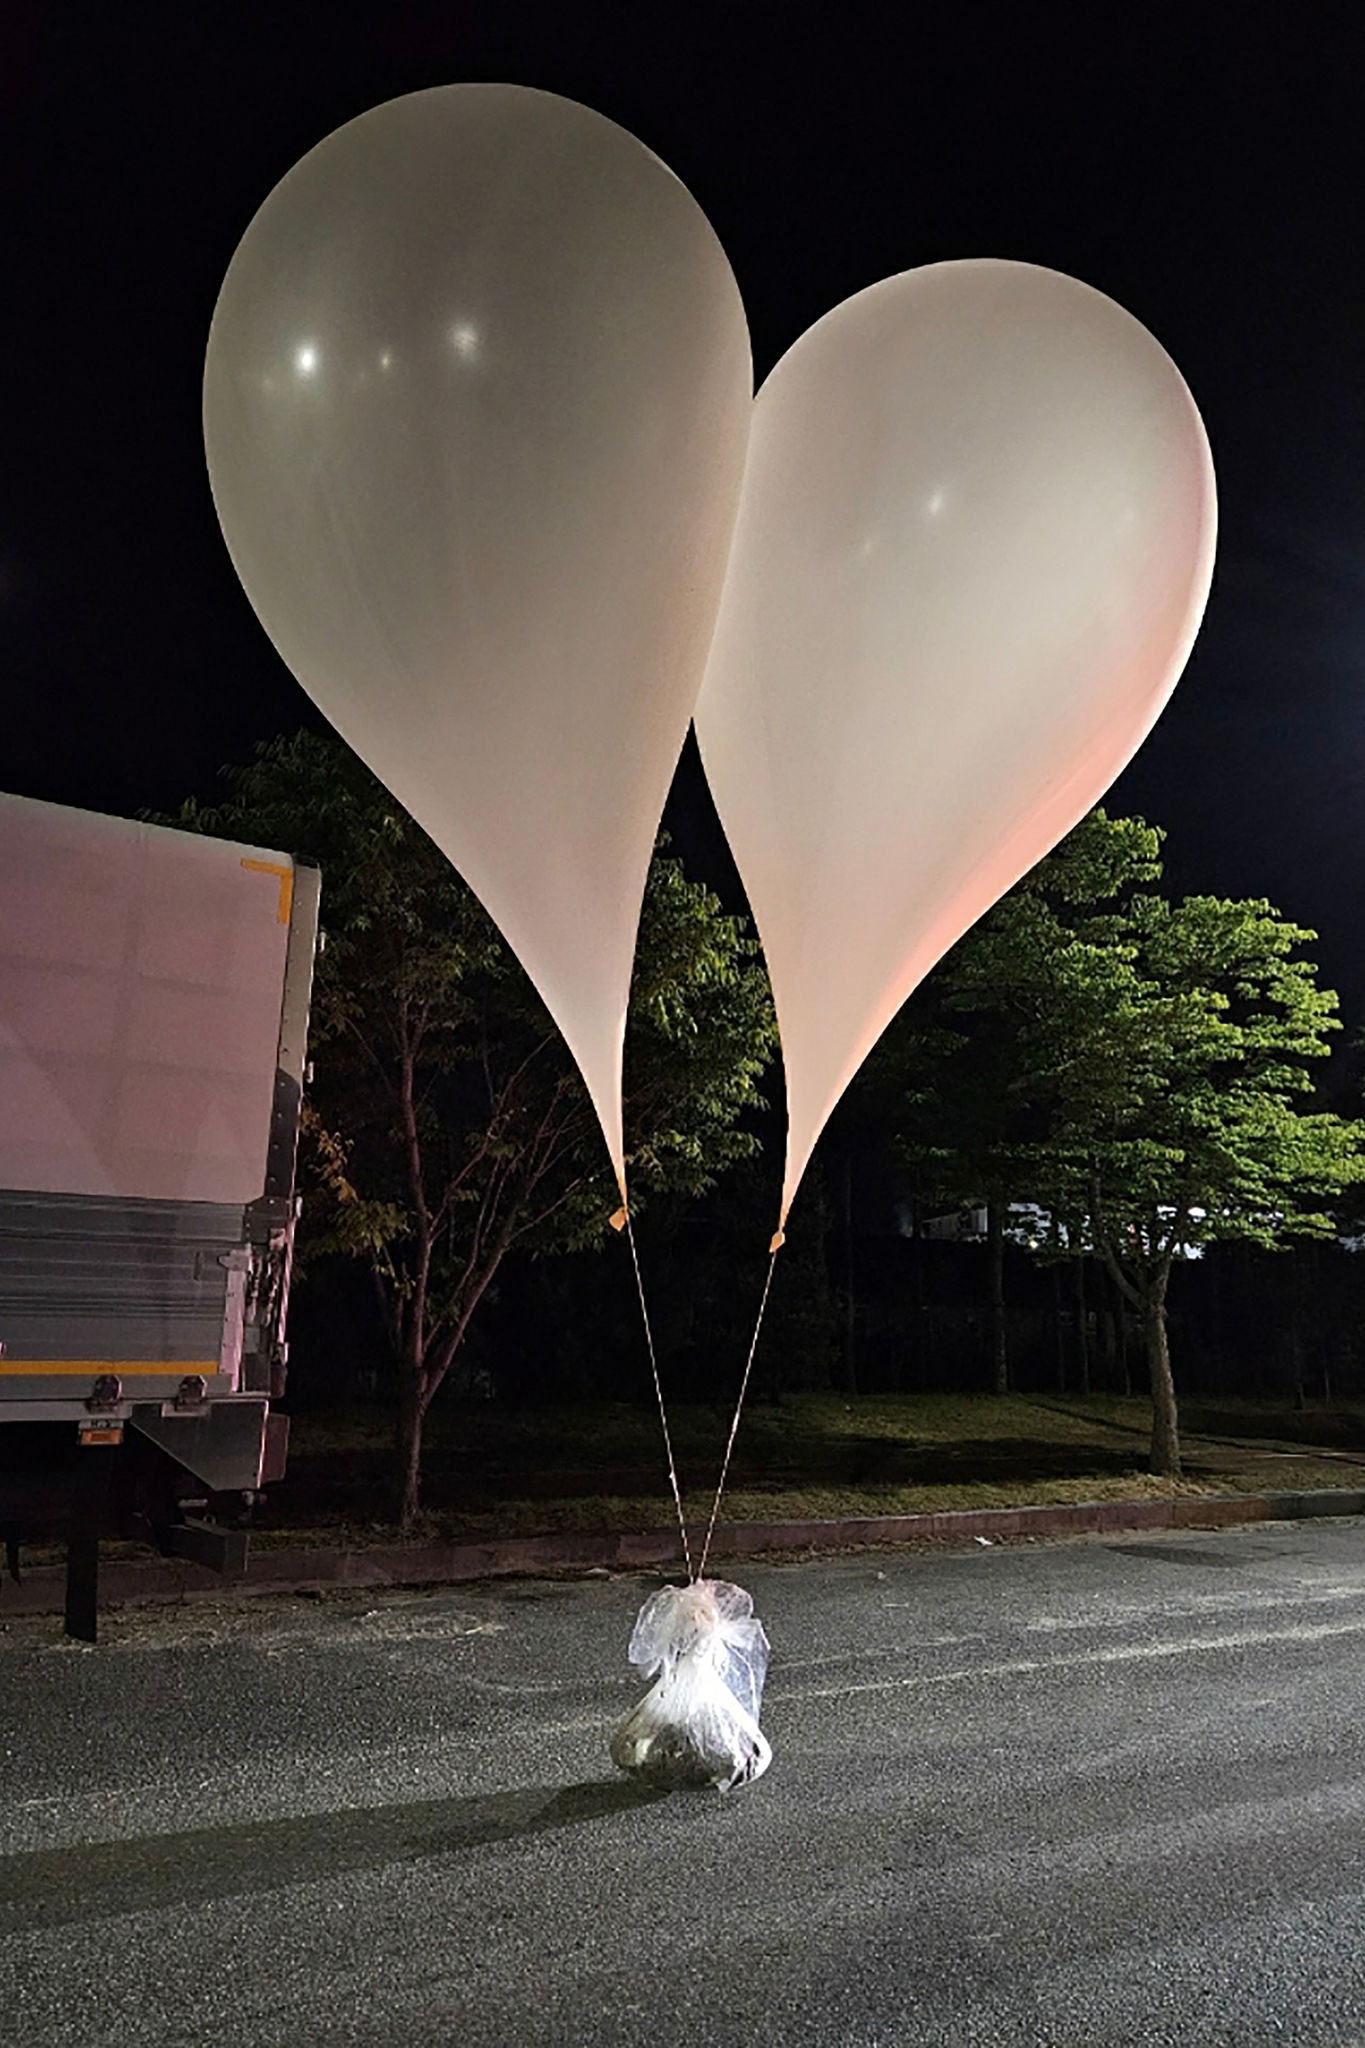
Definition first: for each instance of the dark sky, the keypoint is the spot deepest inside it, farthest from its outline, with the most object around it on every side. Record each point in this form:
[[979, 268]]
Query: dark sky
[[1207, 174]]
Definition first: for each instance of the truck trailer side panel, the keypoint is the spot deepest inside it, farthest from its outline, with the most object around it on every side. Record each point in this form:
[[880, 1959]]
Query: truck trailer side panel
[[154, 992]]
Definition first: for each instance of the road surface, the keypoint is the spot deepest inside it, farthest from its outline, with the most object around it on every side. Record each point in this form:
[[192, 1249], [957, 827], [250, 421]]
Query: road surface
[[1093, 1793]]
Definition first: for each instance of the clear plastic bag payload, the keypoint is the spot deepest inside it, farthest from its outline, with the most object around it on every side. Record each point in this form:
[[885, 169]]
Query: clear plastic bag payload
[[698, 1724]]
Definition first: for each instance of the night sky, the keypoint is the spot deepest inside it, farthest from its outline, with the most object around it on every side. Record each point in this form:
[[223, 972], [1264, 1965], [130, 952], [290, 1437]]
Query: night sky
[[1206, 174]]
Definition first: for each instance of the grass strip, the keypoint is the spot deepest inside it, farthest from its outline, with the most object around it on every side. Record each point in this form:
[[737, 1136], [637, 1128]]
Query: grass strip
[[491, 1472]]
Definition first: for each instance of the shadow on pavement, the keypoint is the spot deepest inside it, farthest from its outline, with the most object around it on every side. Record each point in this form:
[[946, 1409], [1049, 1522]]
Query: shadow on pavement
[[1171, 1553], [60, 1887]]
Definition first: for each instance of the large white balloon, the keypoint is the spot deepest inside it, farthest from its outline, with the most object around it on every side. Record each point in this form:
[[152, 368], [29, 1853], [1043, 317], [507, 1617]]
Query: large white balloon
[[476, 403], [974, 545]]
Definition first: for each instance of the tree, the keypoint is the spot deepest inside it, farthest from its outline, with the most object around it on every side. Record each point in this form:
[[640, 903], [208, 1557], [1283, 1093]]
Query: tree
[[1134, 1067], [1016, 1011], [1197, 1137], [447, 1126], [960, 1116]]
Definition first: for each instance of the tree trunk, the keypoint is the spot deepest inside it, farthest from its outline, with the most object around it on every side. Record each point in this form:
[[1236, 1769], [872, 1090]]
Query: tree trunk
[[1214, 1266], [1303, 1292], [995, 1249], [1082, 1329], [1121, 1339], [1318, 1324], [1109, 1344], [1165, 1459], [921, 1306], [1058, 1328], [407, 1447], [850, 1309]]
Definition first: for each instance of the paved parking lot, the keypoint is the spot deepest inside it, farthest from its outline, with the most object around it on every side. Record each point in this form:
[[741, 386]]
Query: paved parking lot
[[1092, 1793]]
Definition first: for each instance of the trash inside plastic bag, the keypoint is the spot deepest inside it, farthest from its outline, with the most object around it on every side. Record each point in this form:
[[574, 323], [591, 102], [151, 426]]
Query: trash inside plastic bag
[[698, 1723]]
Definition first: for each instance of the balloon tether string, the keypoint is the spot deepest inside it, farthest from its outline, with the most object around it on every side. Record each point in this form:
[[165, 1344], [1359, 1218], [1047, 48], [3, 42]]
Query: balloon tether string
[[739, 1407], [659, 1395]]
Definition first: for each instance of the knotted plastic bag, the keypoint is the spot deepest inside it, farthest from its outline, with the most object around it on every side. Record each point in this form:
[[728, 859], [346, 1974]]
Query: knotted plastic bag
[[698, 1723]]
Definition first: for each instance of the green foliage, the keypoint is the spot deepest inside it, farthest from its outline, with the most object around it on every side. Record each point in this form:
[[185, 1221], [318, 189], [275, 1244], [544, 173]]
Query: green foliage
[[1135, 1066], [1197, 1135], [1018, 1013], [700, 1035]]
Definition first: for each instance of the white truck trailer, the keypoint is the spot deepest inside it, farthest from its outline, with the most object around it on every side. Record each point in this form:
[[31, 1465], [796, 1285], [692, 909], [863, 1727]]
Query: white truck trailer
[[154, 989]]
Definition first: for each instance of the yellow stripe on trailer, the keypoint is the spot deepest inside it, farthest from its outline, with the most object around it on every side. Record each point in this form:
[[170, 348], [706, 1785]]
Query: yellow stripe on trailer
[[285, 877], [126, 1368]]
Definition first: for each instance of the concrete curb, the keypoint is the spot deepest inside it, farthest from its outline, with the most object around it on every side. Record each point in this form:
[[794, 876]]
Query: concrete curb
[[132, 1581]]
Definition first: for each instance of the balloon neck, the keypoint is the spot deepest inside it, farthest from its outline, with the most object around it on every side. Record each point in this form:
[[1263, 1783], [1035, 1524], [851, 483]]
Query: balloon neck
[[779, 1239], [620, 1219]]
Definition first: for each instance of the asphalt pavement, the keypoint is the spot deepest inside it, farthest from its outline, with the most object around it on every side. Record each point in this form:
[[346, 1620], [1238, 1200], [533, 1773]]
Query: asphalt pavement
[[1096, 1793]]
